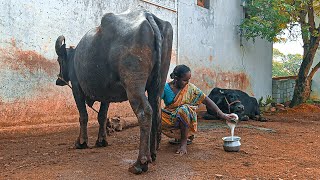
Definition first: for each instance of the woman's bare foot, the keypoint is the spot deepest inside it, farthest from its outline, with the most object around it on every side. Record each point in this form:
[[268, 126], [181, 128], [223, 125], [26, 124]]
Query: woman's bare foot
[[184, 139], [182, 150]]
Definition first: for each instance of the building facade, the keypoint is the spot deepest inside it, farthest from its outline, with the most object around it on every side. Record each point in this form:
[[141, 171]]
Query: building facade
[[206, 38]]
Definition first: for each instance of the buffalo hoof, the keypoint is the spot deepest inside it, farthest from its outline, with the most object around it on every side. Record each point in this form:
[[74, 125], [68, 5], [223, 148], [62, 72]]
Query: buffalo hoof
[[244, 118], [103, 143], [153, 157], [81, 146], [138, 168], [262, 119], [158, 145]]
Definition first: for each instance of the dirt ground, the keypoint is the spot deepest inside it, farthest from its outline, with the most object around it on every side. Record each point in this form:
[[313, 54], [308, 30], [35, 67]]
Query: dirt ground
[[285, 147]]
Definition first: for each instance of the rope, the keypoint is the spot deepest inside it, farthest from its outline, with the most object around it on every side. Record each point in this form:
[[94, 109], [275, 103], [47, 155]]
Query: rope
[[71, 88], [229, 104]]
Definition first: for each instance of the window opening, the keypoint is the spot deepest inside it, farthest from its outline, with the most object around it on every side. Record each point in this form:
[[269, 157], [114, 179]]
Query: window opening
[[204, 3]]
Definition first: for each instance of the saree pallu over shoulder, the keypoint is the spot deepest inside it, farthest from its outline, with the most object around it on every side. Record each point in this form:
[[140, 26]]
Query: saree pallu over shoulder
[[182, 109]]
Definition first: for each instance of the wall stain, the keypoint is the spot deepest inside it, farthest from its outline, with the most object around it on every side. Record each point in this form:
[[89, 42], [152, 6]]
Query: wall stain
[[207, 79], [59, 108], [46, 103], [173, 57], [22, 60]]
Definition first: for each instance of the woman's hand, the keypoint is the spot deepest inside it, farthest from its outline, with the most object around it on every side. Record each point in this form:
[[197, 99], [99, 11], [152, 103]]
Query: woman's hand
[[213, 107], [231, 118]]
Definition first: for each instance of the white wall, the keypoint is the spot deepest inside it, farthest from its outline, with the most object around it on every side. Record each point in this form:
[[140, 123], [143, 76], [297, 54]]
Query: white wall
[[28, 66], [315, 87], [209, 42], [34, 25]]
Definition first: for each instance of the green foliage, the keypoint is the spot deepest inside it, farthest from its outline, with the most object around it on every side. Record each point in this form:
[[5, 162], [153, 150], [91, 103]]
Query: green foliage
[[269, 100], [268, 18], [311, 101], [278, 70], [285, 65], [263, 102], [260, 101]]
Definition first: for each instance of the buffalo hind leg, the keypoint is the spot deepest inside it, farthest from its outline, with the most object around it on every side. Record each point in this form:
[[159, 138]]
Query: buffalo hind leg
[[82, 141], [143, 111], [155, 135], [102, 119]]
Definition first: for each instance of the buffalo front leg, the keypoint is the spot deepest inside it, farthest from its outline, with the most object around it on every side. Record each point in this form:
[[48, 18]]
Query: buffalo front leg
[[82, 141], [143, 111], [102, 119]]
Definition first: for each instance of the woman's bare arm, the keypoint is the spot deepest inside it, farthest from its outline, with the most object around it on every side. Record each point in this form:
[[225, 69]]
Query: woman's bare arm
[[213, 107]]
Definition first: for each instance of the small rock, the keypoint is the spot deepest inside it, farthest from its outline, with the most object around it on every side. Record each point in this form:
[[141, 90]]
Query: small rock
[[282, 109], [273, 109], [219, 175], [247, 164], [280, 105], [286, 104]]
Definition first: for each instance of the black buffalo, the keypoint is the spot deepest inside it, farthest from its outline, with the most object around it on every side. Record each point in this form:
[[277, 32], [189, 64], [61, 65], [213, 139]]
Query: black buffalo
[[119, 60], [235, 101]]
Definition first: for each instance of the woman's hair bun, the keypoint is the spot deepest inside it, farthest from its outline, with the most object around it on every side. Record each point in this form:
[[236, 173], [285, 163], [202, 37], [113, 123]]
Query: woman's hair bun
[[172, 75], [179, 71]]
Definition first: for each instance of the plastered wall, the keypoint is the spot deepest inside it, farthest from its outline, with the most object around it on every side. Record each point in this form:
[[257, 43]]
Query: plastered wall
[[206, 39], [209, 41]]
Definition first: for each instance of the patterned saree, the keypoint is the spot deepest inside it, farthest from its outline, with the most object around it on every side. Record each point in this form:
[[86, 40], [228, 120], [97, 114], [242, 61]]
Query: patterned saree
[[182, 111]]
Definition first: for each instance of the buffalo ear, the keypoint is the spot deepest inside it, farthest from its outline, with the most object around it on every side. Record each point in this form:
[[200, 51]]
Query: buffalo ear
[[62, 51], [60, 46]]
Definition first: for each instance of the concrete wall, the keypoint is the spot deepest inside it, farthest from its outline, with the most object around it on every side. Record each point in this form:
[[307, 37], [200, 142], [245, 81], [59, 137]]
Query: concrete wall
[[209, 42], [205, 39], [315, 85], [283, 88], [35, 24], [28, 65]]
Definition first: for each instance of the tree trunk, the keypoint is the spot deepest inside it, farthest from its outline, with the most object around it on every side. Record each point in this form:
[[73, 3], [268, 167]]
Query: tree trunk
[[302, 88], [302, 91]]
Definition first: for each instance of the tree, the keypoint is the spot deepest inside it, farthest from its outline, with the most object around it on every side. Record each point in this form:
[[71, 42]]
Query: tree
[[278, 70], [292, 63], [269, 18], [285, 65]]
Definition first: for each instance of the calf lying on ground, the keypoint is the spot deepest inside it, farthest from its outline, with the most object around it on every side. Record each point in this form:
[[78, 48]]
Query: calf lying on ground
[[235, 101]]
